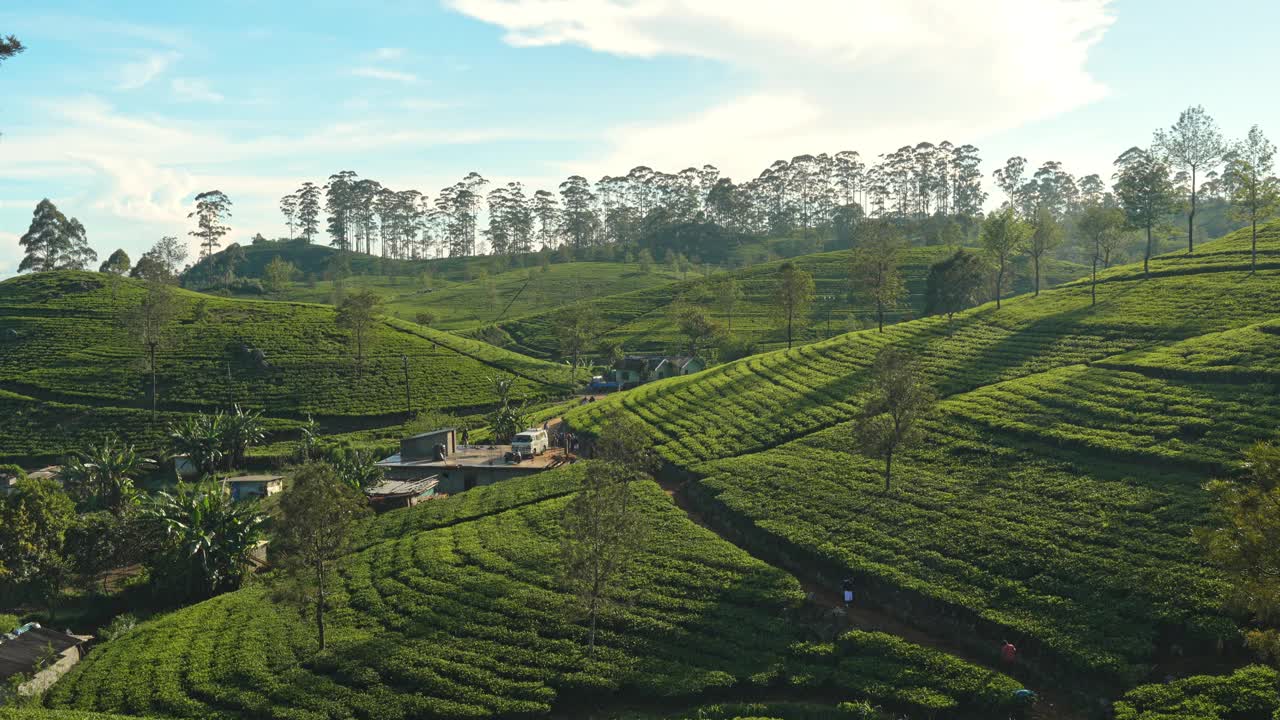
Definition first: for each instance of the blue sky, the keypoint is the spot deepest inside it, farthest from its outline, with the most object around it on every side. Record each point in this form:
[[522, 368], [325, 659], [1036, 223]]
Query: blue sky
[[122, 112]]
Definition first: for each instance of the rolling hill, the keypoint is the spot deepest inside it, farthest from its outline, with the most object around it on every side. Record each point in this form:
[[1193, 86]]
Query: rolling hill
[[639, 320], [69, 370], [454, 609], [1053, 500]]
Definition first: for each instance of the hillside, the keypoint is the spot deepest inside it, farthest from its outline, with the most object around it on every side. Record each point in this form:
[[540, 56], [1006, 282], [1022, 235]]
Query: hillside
[[639, 320], [1053, 500], [453, 609], [465, 303], [69, 370]]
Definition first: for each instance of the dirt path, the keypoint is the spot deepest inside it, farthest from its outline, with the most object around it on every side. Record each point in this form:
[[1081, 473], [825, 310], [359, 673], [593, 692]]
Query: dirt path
[[1051, 704]]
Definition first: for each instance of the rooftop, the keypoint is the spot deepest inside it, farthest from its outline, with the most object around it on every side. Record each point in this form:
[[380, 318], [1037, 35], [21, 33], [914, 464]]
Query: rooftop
[[22, 650], [479, 456], [389, 488], [253, 478]]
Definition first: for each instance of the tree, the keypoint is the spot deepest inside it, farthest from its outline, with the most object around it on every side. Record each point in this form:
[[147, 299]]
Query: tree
[[899, 398], [576, 327], [1253, 189], [1003, 236], [206, 539], [313, 530], [102, 475], [213, 208], [793, 294], [955, 284], [278, 274], [240, 431], [873, 268], [1009, 179], [162, 262], [309, 210], [1102, 228], [508, 418], [1046, 236], [578, 220], [54, 242], [117, 264], [696, 325], [34, 518], [200, 439], [359, 314], [9, 46], [289, 208], [149, 323], [1192, 143], [1244, 542], [1145, 193], [728, 295], [603, 523]]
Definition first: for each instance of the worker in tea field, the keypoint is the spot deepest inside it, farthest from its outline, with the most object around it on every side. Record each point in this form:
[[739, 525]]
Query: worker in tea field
[[1008, 653], [847, 587]]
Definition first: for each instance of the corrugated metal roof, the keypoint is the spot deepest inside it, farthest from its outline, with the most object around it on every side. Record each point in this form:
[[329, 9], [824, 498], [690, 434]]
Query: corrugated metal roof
[[22, 654]]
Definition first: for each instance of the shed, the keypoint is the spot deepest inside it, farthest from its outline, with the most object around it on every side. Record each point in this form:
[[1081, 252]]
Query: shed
[[42, 654], [248, 487], [392, 494]]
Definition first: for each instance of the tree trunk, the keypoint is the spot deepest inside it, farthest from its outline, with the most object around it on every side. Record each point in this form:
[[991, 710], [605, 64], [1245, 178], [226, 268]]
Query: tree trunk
[[1146, 258], [888, 469], [320, 603], [1093, 287], [591, 638], [879, 314], [1253, 250], [789, 314], [1191, 216], [999, 282], [152, 351], [1037, 264]]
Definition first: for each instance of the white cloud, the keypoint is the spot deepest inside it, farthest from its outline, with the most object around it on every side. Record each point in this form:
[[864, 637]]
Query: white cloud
[[194, 90], [134, 75], [10, 253], [378, 73], [386, 53], [827, 75]]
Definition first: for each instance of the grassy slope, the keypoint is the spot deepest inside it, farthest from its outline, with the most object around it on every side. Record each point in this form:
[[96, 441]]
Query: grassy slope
[[462, 304], [640, 323], [1054, 499], [453, 609], [72, 371]]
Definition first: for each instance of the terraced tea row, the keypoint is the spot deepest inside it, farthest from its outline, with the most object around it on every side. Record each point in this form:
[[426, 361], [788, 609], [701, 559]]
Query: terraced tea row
[[469, 619]]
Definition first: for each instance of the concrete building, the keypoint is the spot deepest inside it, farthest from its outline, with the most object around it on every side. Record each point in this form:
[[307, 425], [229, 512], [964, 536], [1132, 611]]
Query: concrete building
[[635, 370], [39, 654], [392, 494], [461, 467], [247, 487]]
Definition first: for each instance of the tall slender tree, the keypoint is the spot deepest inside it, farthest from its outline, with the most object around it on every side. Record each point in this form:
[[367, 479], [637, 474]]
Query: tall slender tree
[[899, 397], [309, 210], [873, 268], [793, 294], [1145, 193], [1004, 235], [1101, 228], [213, 208], [289, 208], [1046, 235], [1193, 143], [1254, 190]]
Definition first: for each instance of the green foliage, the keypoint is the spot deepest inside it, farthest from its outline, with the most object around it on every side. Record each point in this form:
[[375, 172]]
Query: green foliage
[[1247, 694], [102, 476], [204, 539], [955, 284], [1051, 408], [34, 518], [434, 619]]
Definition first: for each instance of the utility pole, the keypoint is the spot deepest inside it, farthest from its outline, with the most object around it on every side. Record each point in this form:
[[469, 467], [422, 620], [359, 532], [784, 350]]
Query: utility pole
[[408, 400], [151, 348]]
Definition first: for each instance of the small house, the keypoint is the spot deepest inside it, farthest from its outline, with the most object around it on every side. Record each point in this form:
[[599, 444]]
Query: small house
[[249, 487], [40, 654], [455, 468], [635, 370]]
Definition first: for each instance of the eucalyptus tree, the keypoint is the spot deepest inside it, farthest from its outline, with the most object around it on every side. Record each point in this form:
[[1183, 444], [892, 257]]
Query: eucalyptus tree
[[578, 221], [793, 295], [54, 242], [545, 208], [1251, 184], [1193, 143], [1145, 193], [213, 209], [10, 46], [1010, 179], [1101, 227], [874, 273], [339, 204], [1046, 235], [1004, 235], [289, 208], [150, 323], [116, 264], [309, 210]]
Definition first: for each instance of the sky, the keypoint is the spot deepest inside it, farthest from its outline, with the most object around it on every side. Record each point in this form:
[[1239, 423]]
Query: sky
[[120, 113]]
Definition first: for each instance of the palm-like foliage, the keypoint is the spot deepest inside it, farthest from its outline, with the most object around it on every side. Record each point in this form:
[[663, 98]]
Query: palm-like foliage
[[199, 437], [356, 469], [102, 475], [240, 431], [205, 537]]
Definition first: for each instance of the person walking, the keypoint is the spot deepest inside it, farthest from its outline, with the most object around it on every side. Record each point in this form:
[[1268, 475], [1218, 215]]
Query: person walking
[[1008, 653], [847, 591]]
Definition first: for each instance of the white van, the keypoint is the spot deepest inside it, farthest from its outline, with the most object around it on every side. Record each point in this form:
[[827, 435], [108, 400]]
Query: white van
[[530, 442]]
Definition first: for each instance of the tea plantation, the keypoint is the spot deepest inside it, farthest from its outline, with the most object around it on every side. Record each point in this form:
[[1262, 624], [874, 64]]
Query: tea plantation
[[639, 321], [1053, 499], [454, 609], [69, 369]]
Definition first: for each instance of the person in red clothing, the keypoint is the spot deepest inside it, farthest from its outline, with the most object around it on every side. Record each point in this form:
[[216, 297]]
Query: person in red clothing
[[1008, 653]]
